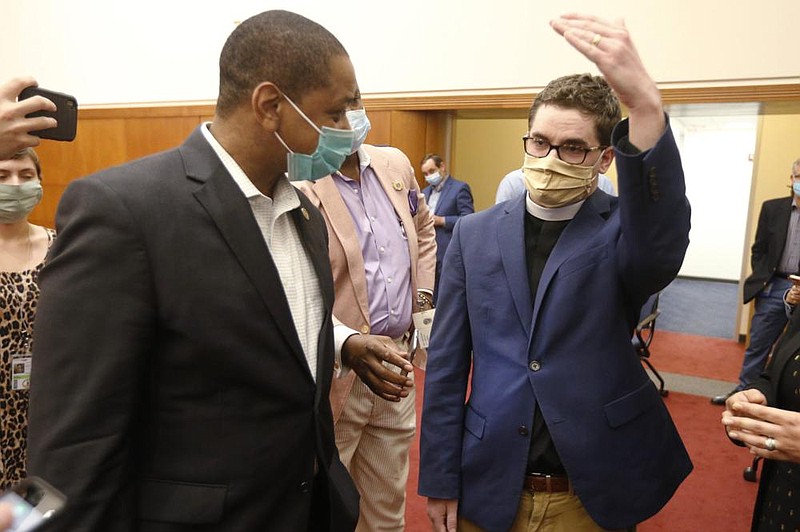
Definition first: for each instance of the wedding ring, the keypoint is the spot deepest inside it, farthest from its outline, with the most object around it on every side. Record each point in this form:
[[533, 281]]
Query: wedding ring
[[596, 39], [769, 444]]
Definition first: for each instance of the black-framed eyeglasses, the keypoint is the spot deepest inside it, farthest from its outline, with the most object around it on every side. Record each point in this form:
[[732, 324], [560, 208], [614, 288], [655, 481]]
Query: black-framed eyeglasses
[[569, 153]]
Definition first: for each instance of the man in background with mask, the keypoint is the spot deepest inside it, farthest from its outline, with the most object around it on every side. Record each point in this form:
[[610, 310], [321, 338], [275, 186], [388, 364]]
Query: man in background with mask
[[383, 256], [775, 256], [449, 199], [563, 429], [184, 340]]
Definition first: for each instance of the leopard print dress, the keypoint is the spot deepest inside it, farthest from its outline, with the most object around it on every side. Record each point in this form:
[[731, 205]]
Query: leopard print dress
[[19, 293]]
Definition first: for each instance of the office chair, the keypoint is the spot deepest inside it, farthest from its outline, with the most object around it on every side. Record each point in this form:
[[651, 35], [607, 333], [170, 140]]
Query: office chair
[[643, 336]]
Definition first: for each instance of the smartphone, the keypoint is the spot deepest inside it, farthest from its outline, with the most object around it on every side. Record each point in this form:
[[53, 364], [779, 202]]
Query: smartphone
[[66, 113], [33, 501], [795, 279]]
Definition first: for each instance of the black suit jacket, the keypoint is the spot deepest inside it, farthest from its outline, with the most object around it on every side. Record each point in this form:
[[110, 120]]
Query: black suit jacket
[[171, 391], [765, 257], [768, 383]]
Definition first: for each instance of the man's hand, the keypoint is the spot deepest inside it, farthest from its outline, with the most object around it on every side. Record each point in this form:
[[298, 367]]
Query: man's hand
[[608, 45], [443, 514], [14, 127], [366, 353], [438, 221]]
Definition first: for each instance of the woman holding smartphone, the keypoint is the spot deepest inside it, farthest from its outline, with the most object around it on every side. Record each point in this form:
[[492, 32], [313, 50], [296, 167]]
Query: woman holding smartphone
[[23, 247]]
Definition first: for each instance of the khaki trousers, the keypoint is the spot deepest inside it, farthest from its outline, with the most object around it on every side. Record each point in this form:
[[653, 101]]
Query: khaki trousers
[[546, 512], [373, 437]]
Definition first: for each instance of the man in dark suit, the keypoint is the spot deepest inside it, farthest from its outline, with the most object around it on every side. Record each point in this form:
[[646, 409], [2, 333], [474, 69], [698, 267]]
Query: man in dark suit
[[539, 298], [449, 199], [774, 256], [184, 340]]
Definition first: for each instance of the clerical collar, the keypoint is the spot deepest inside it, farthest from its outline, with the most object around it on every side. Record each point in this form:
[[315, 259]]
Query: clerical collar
[[552, 214]]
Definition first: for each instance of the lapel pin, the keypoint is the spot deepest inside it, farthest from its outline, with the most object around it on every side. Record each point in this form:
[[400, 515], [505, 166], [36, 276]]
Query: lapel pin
[[305, 213], [397, 185]]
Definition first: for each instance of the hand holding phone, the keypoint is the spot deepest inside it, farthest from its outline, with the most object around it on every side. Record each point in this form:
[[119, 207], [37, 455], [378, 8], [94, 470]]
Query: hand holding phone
[[15, 127], [32, 502], [66, 113]]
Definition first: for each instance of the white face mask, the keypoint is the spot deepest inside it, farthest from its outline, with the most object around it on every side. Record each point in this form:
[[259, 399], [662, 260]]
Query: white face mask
[[553, 183], [434, 179], [360, 125]]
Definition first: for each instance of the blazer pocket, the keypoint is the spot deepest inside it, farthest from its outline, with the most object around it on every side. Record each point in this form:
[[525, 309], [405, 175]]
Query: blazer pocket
[[632, 405], [474, 423], [588, 258], [181, 502]]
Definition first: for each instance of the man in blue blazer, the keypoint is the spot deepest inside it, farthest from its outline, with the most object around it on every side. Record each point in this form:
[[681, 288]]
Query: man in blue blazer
[[449, 199], [539, 298]]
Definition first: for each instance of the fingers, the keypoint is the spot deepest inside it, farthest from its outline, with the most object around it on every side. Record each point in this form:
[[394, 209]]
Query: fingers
[[370, 356], [443, 514], [11, 88]]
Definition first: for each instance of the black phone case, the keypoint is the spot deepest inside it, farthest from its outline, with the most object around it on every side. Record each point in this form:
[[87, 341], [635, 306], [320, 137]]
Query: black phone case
[[66, 113]]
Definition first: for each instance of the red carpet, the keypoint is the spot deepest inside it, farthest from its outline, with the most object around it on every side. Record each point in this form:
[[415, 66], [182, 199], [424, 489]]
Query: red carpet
[[715, 497], [698, 356]]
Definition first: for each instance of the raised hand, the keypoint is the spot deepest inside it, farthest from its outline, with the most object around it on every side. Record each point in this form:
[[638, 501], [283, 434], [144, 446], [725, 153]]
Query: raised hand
[[609, 46]]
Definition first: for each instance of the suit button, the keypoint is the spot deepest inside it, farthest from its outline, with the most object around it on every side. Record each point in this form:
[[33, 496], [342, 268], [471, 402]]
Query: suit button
[[305, 486], [534, 365], [365, 329], [523, 430]]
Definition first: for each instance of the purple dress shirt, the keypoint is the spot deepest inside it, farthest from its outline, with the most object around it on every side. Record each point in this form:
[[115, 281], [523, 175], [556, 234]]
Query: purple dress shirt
[[384, 246]]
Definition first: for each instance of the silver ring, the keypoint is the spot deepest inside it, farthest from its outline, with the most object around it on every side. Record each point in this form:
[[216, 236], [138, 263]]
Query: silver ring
[[769, 444]]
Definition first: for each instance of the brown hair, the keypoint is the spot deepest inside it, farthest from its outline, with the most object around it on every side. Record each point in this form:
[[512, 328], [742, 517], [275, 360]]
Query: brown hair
[[30, 153], [590, 95], [436, 159]]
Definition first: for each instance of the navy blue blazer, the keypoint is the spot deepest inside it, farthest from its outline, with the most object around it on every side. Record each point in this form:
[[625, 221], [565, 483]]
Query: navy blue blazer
[[569, 350], [455, 201]]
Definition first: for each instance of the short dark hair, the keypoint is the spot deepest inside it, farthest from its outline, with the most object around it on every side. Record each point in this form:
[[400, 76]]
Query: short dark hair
[[590, 95], [285, 48], [33, 156], [436, 159]]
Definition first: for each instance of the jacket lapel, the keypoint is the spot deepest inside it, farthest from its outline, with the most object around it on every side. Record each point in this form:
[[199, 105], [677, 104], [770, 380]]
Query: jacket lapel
[[444, 194], [784, 215], [341, 225], [397, 192], [313, 234], [231, 212], [511, 241], [576, 237]]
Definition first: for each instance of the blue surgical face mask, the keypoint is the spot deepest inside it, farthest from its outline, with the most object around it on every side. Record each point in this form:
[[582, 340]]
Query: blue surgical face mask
[[360, 125], [796, 188], [434, 179], [333, 147]]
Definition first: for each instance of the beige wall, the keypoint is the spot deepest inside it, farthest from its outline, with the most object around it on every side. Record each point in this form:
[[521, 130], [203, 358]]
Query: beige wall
[[778, 146], [484, 151]]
